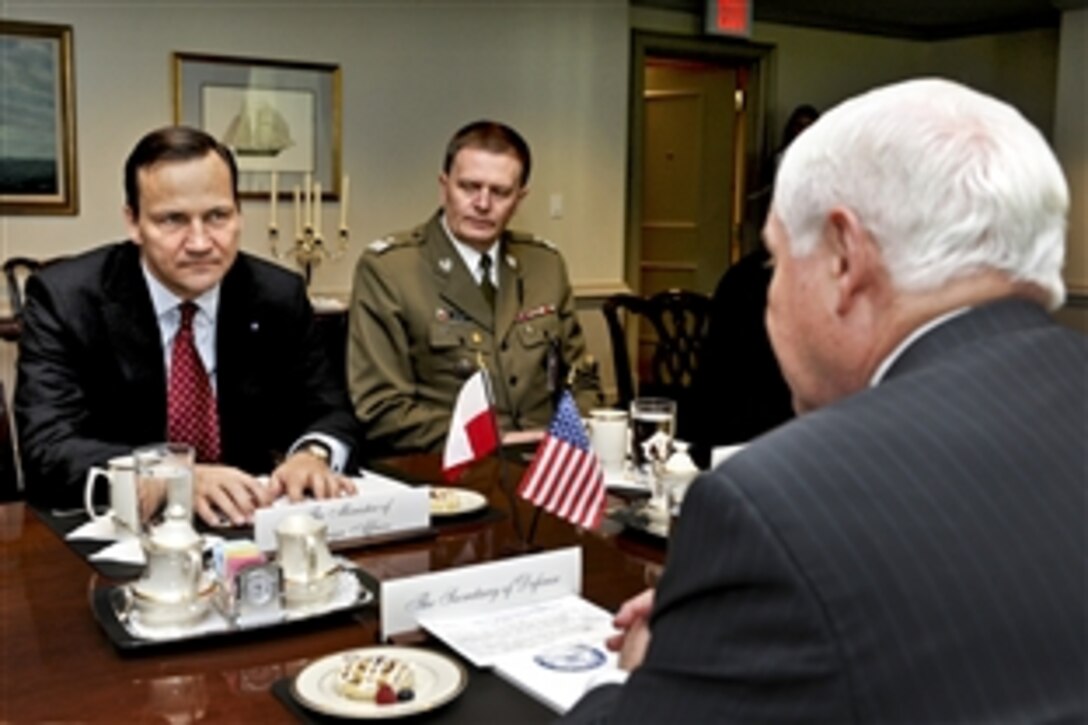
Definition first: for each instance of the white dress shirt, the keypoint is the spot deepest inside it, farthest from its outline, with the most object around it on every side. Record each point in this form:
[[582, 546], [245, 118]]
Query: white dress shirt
[[471, 257], [168, 315]]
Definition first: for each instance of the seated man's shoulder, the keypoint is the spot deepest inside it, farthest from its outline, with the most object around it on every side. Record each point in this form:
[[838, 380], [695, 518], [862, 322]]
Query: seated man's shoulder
[[536, 253], [525, 241], [265, 276], [397, 242], [86, 271]]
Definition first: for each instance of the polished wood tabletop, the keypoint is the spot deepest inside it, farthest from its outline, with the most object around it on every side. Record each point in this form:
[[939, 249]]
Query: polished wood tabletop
[[57, 664]]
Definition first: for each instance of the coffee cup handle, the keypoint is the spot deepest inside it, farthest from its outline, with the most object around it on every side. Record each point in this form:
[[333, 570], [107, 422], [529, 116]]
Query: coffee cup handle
[[194, 562], [311, 556], [88, 491]]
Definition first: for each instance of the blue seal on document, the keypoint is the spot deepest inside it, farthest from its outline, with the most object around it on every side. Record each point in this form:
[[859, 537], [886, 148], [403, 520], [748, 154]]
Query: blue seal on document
[[571, 658]]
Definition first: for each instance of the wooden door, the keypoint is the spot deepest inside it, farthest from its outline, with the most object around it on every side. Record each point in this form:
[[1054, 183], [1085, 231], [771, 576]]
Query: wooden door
[[689, 169]]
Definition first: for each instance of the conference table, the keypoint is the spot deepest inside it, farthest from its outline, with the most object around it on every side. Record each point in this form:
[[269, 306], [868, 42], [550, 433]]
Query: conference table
[[57, 664]]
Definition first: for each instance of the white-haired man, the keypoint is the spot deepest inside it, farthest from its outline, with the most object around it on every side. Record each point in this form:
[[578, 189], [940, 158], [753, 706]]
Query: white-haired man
[[911, 548]]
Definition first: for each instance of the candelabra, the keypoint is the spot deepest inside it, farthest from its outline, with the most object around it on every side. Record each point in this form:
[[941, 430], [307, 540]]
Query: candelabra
[[309, 246]]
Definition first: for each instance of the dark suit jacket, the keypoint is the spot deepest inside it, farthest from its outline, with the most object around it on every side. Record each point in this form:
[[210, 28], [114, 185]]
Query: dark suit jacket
[[914, 553], [739, 391], [92, 383]]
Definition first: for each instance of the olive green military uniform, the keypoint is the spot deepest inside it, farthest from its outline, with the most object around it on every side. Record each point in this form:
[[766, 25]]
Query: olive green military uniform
[[419, 325]]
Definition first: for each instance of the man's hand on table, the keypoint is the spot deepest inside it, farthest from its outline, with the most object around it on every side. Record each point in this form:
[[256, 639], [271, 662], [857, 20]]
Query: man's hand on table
[[304, 472], [633, 621], [223, 495]]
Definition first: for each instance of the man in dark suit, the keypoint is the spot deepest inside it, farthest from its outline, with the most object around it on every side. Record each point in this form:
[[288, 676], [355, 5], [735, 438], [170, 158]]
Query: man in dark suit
[[99, 352], [912, 547]]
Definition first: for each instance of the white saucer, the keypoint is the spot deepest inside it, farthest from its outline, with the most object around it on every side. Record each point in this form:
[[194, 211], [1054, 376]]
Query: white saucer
[[152, 611]]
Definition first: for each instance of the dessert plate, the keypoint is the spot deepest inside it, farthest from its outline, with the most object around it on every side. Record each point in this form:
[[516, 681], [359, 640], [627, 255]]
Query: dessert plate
[[438, 679], [449, 501]]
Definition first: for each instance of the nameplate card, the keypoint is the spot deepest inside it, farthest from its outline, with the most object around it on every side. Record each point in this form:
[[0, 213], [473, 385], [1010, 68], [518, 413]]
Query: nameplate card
[[483, 587], [381, 507]]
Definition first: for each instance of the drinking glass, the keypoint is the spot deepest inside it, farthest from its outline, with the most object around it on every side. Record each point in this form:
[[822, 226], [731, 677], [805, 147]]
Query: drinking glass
[[653, 425], [168, 467]]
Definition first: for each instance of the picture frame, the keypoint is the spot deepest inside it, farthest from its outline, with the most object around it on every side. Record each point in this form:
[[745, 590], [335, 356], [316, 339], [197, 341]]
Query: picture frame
[[276, 115], [38, 174]]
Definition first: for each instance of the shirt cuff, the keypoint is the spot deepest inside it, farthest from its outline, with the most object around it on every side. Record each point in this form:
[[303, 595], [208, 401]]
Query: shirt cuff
[[338, 452]]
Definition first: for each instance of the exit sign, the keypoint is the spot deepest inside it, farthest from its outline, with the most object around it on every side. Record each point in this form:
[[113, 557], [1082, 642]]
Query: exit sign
[[729, 17]]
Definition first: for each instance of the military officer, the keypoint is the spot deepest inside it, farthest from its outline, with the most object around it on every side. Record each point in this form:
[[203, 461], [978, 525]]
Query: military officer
[[431, 305]]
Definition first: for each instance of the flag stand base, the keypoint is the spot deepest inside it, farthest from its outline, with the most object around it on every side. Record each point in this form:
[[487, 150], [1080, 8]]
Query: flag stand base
[[524, 543]]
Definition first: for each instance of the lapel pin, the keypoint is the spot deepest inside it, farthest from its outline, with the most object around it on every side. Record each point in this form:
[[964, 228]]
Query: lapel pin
[[441, 315], [512, 261], [445, 264]]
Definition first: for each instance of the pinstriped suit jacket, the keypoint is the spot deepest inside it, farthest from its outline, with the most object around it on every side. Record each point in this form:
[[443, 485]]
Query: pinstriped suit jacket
[[914, 553]]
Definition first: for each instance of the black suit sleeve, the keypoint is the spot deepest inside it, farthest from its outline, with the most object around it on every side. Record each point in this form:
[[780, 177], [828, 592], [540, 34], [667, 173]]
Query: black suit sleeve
[[324, 403], [51, 403], [737, 633]]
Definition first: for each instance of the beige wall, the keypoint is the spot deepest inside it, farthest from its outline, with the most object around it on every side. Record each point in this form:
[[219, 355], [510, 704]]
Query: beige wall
[[412, 73], [413, 70], [1071, 140]]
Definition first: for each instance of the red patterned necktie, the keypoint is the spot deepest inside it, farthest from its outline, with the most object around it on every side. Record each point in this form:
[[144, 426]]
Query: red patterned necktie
[[191, 413]]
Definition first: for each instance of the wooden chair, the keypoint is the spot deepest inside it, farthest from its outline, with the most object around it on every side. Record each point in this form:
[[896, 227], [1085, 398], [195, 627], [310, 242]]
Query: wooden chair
[[10, 487], [16, 270], [669, 356]]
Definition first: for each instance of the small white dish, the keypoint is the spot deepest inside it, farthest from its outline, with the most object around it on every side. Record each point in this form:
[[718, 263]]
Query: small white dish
[[151, 610], [438, 679], [452, 501]]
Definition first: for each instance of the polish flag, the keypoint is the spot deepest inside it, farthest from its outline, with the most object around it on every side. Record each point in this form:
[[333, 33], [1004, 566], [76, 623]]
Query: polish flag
[[473, 430]]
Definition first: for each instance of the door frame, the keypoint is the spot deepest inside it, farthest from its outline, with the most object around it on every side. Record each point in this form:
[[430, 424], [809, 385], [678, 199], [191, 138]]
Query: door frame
[[758, 56]]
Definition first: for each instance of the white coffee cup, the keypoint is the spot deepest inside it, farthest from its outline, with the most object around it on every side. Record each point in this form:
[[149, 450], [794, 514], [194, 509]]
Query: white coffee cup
[[302, 549], [124, 502], [608, 436]]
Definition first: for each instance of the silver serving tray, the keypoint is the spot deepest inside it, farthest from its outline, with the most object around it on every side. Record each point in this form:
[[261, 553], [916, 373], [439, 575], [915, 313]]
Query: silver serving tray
[[113, 608]]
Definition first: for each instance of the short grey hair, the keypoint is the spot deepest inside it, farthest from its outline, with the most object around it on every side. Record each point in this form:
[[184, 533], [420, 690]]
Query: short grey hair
[[949, 182]]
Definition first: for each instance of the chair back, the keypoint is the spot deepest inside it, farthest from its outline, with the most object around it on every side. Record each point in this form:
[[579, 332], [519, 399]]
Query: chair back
[[668, 351], [16, 270], [10, 487]]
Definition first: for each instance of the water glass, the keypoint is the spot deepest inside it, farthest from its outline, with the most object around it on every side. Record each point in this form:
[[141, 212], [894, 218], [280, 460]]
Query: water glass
[[167, 467]]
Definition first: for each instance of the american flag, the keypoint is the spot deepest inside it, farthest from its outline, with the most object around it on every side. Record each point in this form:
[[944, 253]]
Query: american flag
[[565, 477]]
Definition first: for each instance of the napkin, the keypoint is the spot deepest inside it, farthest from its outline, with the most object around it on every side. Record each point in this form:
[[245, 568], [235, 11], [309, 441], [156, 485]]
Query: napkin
[[102, 529], [125, 551]]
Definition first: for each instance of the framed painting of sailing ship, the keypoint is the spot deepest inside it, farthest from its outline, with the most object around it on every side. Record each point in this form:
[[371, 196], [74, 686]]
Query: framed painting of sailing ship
[[277, 116], [37, 120]]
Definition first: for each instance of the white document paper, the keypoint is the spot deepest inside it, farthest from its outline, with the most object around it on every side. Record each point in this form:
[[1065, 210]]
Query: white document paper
[[560, 673], [380, 506], [486, 636], [523, 616]]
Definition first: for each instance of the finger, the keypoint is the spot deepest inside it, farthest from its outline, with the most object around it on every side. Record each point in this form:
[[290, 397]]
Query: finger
[[221, 497], [208, 514], [267, 493], [250, 494], [615, 642], [635, 646], [295, 488], [324, 485], [345, 486]]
